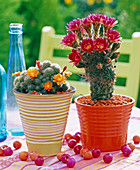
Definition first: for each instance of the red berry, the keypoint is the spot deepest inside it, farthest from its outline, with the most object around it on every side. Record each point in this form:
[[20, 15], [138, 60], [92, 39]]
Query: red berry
[[108, 158], [131, 146], [123, 146], [23, 155], [64, 157], [8, 151], [126, 151], [33, 155], [78, 133], [72, 143], [71, 162], [17, 145], [1, 151], [96, 153], [68, 136], [82, 151], [77, 137], [39, 160], [4, 146], [136, 139], [59, 154], [87, 155], [77, 149]]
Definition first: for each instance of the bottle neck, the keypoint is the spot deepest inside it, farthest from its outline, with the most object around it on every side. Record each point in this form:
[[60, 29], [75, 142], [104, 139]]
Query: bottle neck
[[15, 31], [15, 39]]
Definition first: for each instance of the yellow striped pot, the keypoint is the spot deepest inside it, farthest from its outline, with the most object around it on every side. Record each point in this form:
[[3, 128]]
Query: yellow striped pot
[[44, 119]]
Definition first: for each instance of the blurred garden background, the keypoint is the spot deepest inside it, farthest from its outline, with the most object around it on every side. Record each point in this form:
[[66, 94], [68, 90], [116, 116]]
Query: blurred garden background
[[34, 14]]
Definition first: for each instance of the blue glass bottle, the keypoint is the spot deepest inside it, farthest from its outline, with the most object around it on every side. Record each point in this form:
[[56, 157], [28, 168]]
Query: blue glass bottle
[[3, 97], [16, 62]]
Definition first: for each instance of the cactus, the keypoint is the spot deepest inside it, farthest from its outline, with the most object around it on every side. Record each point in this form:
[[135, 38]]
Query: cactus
[[44, 78], [46, 64], [48, 72], [94, 44], [56, 68]]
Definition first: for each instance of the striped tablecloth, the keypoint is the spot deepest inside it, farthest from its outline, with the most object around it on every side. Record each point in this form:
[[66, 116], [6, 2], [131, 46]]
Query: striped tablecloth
[[119, 161]]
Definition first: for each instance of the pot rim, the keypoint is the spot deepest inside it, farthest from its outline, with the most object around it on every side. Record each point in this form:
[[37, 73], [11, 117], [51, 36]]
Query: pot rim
[[130, 103], [73, 89]]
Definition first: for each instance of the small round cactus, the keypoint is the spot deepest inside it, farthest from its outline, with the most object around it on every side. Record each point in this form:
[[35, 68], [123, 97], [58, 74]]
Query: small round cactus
[[28, 80], [16, 80], [21, 78], [37, 81], [46, 64], [48, 71], [31, 87], [56, 68], [44, 78]]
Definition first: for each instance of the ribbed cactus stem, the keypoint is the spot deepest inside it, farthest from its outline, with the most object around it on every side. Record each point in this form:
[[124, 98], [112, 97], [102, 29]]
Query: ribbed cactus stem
[[101, 76]]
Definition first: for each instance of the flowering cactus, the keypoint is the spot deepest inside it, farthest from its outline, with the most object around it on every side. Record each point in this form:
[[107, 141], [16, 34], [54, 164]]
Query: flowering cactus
[[94, 44], [45, 78]]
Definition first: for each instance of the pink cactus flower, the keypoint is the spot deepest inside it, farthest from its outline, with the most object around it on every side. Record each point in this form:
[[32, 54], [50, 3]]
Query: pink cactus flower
[[96, 18], [109, 22], [74, 25], [87, 45], [113, 36], [69, 39], [75, 56], [100, 44], [86, 21]]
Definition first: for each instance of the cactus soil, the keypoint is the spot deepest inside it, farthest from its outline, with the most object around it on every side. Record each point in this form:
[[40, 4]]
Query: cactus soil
[[116, 100]]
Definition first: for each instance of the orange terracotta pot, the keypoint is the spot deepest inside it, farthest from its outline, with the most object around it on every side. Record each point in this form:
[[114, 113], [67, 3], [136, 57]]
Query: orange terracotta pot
[[104, 127]]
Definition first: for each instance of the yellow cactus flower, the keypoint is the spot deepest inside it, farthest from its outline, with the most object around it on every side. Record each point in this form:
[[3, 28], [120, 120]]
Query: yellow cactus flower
[[32, 73], [59, 79], [67, 73], [108, 1], [48, 86], [16, 73]]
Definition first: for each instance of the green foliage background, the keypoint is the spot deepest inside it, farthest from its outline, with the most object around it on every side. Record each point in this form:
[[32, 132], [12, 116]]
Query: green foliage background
[[34, 14]]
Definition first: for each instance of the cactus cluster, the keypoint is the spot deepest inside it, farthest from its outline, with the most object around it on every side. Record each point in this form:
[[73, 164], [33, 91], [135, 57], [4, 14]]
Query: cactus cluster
[[44, 78], [94, 47]]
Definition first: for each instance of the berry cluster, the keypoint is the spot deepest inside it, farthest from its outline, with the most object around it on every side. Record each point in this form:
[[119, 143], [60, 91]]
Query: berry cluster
[[73, 142], [66, 159], [34, 156], [5, 150], [128, 148]]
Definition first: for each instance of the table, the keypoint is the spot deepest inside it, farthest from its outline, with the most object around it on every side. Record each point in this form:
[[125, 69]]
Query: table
[[119, 161]]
